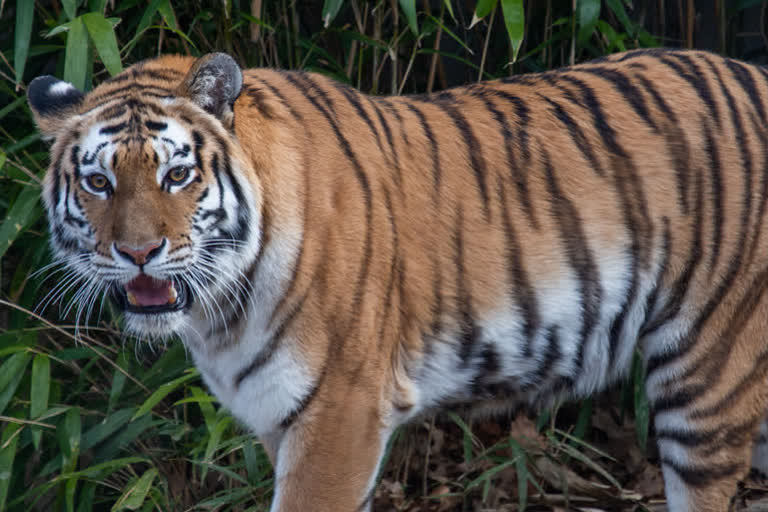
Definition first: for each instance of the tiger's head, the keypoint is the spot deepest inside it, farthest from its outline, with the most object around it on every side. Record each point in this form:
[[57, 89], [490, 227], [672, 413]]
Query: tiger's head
[[149, 196]]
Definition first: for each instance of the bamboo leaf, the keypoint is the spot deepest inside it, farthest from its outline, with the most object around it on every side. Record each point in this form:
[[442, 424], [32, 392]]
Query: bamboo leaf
[[482, 9], [38, 395], [25, 12], [522, 473], [409, 8], [103, 36], [76, 54], [588, 13], [134, 495], [87, 496], [161, 393], [618, 9], [118, 383], [450, 9], [70, 488], [330, 10], [8, 440], [70, 8], [69, 433], [214, 440], [18, 217], [206, 407], [111, 424], [97, 6], [514, 20], [166, 10], [11, 373]]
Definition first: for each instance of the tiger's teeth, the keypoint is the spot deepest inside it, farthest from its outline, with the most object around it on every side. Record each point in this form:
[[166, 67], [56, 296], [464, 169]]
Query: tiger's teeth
[[172, 295], [132, 299]]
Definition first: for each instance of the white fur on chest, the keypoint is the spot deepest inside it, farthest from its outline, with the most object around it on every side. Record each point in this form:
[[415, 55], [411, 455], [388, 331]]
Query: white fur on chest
[[264, 398]]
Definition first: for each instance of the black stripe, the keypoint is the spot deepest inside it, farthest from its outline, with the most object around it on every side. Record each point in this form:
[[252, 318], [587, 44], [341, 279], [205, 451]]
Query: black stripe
[[436, 165], [156, 126], [394, 111], [113, 128], [723, 436], [744, 77], [653, 295], [74, 159], [518, 177], [390, 140], [280, 96], [676, 140], [53, 198], [697, 476], [523, 115], [717, 202], [679, 289], [520, 288], [551, 356], [311, 85], [696, 78], [89, 158], [756, 376], [264, 355], [140, 90], [759, 128], [68, 217], [580, 258], [436, 325], [258, 101], [217, 174], [625, 88], [393, 266], [304, 403], [353, 97], [469, 332], [682, 397], [198, 141], [112, 112], [473, 151], [241, 231], [578, 136]]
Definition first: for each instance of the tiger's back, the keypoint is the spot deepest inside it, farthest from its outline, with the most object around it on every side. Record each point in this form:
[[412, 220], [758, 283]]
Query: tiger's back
[[504, 242]]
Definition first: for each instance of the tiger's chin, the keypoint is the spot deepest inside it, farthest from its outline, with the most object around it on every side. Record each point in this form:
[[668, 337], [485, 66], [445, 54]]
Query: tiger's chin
[[153, 308], [153, 326]]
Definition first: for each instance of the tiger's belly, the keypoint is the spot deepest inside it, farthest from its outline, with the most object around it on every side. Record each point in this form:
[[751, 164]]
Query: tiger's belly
[[565, 351]]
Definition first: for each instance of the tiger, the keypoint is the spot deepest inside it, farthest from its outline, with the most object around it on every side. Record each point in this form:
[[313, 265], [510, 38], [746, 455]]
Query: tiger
[[338, 264]]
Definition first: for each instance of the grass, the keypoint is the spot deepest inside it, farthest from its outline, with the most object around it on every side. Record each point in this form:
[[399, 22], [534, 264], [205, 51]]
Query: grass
[[90, 420]]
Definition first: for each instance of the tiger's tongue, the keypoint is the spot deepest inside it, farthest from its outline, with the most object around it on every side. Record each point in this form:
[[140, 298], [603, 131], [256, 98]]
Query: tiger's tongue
[[147, 291]]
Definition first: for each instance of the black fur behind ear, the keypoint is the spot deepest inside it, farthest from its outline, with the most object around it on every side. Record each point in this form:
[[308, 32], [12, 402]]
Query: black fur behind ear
[[52, 101], [214, 83]]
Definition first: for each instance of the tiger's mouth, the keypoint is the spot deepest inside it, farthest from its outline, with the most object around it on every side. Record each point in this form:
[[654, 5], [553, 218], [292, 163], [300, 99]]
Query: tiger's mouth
[[146, 295]]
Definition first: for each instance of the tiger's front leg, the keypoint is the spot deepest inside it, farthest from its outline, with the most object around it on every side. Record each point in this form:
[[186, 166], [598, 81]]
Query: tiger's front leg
[[327, 460]]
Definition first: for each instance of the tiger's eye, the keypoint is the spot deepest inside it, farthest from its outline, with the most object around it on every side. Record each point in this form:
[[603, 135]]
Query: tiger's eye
[[98, 182], [178, 174]]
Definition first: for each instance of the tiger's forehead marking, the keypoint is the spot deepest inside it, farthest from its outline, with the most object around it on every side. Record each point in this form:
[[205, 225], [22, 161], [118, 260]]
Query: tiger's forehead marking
[[105, 141]]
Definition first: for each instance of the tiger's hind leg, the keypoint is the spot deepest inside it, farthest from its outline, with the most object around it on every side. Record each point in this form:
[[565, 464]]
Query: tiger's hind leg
[[709, 392]]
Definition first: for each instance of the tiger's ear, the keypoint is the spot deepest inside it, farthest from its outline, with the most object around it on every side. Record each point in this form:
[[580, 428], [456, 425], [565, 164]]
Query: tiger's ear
[[214, 83], [52, 101]]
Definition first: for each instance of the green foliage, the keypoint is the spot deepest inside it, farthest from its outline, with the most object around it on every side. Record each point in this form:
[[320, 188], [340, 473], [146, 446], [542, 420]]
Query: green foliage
[[91, 422]]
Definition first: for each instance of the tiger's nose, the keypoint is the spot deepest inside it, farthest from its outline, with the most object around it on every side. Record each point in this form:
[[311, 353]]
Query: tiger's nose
[[140, 255]]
